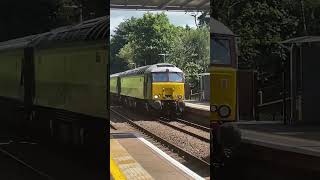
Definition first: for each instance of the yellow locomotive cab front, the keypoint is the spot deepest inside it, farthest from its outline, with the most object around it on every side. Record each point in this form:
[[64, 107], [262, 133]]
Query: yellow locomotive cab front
[[223, 93], [167, 91], [223, 75]]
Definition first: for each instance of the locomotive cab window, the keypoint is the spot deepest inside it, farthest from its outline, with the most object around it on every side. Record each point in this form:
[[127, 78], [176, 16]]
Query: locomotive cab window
[[167, 77], [220, 51]]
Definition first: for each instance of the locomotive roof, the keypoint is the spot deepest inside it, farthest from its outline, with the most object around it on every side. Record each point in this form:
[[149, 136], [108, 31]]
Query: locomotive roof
[[115, 75], [163, 67], [217, 27], [160, 67], [90, 30], [17, 43], [139, 70]]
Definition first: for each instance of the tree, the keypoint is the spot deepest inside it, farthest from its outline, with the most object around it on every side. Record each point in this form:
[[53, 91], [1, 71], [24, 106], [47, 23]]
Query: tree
[[261, 25], [141, 40], [203, 19], [312, 15], [152, 36], [118, 41], [190, 52], [128, 53]]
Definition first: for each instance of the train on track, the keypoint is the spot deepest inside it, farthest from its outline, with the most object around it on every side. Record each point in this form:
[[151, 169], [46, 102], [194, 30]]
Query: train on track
[[225, 136], [223, 70], [158, 87], [54, 84]]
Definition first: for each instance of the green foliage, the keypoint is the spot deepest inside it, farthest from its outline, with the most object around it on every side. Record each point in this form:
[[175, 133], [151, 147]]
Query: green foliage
[[204, 19], [151, 36], [118, 62], [128, 52], [191, 52], [262, 24]]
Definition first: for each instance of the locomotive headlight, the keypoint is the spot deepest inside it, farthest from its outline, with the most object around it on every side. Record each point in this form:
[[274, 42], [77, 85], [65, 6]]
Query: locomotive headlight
[[213, 108], [224, 111], [156, 96], [179, 97]]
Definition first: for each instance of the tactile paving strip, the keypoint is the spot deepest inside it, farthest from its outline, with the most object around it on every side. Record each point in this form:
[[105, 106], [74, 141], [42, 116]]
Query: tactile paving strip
[[122, 160]]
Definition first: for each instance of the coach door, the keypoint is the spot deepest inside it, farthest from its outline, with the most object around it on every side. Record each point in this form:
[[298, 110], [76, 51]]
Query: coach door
[[20, 73], [28, 78], [147, 86]]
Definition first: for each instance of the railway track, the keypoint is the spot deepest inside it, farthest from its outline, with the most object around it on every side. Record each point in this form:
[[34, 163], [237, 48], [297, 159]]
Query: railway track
[[183, 127], [112, 126], [166, 122], [193, 125], [176, 149]]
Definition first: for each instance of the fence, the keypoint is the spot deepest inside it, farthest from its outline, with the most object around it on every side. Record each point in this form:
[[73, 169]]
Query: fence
[[270, 105]]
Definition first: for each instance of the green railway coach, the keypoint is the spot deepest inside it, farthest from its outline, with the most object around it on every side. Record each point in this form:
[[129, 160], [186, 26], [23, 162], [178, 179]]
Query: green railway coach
[[59, 80], [133, 86], [13, 94]]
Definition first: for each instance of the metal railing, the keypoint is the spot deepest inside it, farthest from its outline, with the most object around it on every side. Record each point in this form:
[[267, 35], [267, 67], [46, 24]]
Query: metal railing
[[199, 96]]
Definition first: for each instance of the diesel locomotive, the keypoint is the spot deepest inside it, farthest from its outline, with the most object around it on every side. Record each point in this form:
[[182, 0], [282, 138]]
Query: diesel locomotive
[[56, 82], [223, 73], [158, 87], [225, 136]]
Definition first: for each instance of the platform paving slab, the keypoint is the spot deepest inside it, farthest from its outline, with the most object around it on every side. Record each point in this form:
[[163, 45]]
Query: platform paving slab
[[154, 164]]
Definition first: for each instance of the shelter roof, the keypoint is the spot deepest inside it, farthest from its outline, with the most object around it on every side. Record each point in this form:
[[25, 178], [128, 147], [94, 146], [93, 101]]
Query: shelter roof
[[177, 5]]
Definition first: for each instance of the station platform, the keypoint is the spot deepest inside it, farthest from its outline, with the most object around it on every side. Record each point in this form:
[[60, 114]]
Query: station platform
[[299, 139], [133, 157], [198, 108]]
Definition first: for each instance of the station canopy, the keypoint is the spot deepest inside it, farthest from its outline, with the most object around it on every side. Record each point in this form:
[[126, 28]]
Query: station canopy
[[174, 5], [300, 40]]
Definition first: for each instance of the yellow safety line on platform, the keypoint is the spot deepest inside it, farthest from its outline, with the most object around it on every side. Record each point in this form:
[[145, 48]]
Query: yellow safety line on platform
[[115, 171], [128, 166]]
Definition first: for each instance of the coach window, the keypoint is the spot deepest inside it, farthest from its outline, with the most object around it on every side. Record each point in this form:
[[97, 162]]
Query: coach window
[[220, 51]]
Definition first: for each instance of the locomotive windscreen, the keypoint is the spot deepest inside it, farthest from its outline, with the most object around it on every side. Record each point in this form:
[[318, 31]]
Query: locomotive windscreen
[[167, 77], [220, 51]]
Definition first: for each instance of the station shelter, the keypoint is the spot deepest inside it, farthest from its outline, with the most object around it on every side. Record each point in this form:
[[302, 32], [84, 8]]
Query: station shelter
[[304, 88], [204, 79]]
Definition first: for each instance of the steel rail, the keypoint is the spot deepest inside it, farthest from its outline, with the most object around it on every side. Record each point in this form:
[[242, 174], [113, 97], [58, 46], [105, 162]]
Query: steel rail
[[207, 140], [207, 129], [192, 124]]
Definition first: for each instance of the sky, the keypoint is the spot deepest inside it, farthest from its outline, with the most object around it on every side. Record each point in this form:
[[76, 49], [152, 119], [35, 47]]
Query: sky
[[176, 18]]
